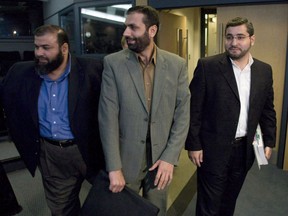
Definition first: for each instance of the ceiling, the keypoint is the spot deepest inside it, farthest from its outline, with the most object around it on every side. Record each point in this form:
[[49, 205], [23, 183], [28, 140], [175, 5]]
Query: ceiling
[[19, 6]]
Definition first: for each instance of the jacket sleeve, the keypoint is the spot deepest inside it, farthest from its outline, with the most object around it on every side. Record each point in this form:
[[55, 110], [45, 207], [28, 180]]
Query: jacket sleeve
[[108, 119], [268, 117], [180, 125], [197, 89]]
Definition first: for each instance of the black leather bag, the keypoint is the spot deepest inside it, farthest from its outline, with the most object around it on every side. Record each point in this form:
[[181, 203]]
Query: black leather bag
[[102, 202]]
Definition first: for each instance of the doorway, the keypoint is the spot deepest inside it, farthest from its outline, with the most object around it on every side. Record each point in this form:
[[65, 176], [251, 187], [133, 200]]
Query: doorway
[[208, 32]]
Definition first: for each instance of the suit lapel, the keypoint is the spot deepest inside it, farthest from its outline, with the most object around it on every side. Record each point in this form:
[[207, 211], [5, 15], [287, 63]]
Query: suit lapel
[[136, 76], [159, 80], [254, 86], [228, 73], [75, 78], [33, 84], [255, 91]]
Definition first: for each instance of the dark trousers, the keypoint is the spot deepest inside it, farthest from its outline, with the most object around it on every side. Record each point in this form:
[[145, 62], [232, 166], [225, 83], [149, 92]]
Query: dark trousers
[[217, 193], [63, 172], [8, 202]]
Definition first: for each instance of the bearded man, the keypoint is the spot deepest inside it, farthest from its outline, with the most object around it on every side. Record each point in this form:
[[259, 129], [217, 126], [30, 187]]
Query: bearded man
[[51, 106], [143, 110], [231, 93]]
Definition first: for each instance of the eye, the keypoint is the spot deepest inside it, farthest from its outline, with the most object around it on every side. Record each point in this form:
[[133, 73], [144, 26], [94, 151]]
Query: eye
[[46, 47], [229, 37], [132, 27], [241, 37]]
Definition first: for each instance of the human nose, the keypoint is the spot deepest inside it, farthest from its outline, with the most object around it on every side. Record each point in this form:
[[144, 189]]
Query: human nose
[[234, 40], [38, 51], [126, 32]]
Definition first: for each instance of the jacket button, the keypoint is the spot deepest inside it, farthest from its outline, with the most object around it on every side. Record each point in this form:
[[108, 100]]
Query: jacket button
[[143, 142]]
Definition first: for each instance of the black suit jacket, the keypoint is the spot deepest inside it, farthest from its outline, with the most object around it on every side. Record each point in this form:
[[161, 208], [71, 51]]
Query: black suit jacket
[[215, 109], [20, 90]]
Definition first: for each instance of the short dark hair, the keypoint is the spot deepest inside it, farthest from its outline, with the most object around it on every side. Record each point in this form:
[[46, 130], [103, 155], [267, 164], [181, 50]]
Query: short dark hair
[[62, 36], [151, 16], [240, 21]]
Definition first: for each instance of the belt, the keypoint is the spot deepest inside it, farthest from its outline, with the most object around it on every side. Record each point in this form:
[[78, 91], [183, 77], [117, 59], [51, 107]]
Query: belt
[[239, 140], [60, 143]]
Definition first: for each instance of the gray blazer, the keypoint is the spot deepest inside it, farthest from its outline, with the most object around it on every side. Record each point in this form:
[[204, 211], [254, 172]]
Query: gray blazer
[[124, 117]]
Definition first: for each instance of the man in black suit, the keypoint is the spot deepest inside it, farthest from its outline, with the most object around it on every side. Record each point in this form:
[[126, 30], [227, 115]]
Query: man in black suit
[[51, 107], [230, 94]]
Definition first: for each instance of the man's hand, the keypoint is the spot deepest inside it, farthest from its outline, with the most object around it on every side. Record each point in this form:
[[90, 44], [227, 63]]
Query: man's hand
[[268, 152], [164, 174], [196, 157], [117, 181]]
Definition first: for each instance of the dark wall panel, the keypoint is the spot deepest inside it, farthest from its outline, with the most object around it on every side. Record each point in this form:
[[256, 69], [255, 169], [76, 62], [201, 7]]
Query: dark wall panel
[[196, 3]]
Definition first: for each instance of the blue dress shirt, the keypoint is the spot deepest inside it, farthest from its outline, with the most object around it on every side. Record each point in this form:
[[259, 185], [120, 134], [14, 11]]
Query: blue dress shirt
[[53, 107]]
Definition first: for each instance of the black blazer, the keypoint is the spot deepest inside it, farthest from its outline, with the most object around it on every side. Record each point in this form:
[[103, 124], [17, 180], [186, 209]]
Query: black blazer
[[215, 109], [20, 90]]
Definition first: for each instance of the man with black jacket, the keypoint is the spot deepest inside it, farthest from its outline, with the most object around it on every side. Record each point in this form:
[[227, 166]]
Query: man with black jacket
[[51, 107], [231, 93]]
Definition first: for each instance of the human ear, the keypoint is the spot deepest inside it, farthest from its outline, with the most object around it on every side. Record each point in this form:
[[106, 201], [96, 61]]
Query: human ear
[[252, 40], [153, 30]]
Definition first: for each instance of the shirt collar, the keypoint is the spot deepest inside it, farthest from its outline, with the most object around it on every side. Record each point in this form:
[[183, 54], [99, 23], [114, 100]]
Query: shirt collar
[[250, 61], [153, 58]]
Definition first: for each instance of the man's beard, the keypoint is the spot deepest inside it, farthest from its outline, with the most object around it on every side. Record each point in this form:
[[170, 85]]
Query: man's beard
[[44, 69], [140, 43], [239, 55]]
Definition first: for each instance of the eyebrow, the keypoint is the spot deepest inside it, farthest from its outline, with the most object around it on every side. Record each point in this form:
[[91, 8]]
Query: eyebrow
[[236, 34]]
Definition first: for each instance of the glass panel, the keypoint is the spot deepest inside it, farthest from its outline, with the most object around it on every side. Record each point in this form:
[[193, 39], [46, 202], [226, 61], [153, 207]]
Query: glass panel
[[18, 19], [211, 34], [67, 23], [102, 28]]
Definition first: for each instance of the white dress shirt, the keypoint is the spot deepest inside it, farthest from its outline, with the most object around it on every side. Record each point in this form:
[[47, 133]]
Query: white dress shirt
[[243, 79]]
